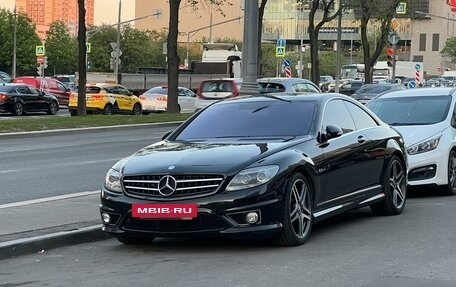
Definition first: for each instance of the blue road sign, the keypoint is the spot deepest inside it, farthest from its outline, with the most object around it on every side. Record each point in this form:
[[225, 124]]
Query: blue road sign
[[417, 66], [280, 42], [411, 84], [286, 63]]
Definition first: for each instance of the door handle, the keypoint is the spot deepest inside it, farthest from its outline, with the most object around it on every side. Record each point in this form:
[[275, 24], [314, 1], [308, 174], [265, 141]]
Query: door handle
[[361, 139]]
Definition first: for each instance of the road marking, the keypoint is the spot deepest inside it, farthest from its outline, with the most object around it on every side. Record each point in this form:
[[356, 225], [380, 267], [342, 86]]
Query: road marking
[[46, 199], [9, 170]]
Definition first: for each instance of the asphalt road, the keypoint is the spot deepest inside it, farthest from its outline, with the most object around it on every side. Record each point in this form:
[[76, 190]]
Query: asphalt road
[[47, 165], [356, 249]]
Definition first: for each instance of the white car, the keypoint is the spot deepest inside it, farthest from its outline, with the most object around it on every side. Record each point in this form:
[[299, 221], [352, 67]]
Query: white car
[[426, 118], [155, 100]]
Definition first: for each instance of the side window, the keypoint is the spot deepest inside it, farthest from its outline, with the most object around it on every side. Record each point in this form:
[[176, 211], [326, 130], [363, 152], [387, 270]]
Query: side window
[[35, 91], [347, 86], [122, 91], [360, 117], [61, 87], [311, 88], [23, 90], [337, 114], [453, 117], [180, 93]]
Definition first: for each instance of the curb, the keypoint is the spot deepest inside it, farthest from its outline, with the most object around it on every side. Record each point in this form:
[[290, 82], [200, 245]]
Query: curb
[[39, 244], [84, 130]]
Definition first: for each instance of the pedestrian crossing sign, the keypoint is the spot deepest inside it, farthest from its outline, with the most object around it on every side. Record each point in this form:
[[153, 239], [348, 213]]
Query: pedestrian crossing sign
[[280, 52], [88, 47], [39, 51]]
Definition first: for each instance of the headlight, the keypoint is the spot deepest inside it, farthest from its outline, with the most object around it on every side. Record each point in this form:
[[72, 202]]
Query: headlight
[[112, 181], [252, 177], [425, 146]]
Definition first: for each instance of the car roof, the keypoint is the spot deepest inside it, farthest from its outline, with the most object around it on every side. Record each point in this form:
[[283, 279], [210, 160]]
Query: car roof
[[282, 80], [420, 92]]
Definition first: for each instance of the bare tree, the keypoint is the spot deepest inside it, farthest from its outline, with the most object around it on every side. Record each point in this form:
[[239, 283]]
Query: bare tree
[[383, 12], [326, 7], [82, 68]]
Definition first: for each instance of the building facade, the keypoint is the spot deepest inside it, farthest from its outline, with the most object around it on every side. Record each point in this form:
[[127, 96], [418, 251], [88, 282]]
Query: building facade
[[44, 12]]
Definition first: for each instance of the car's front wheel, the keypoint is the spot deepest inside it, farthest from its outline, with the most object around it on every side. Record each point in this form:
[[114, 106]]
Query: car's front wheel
[[297, 211], [136, 110], [108, 110], [53, 108], [450, 188], [394, 188]]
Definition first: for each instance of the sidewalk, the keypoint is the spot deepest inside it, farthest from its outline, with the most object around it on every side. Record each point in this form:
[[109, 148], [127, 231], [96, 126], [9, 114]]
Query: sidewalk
[[36, 226]]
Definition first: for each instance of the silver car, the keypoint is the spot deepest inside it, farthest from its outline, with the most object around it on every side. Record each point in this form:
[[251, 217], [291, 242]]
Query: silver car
[[289, 85]]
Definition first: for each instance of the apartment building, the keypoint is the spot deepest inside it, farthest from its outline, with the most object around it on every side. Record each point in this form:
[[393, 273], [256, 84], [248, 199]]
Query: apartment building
[[44, 12]]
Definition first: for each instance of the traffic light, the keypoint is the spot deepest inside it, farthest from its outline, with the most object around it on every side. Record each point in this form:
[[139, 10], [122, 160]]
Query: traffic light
[[45, 62], [38, 70], [390, 57]]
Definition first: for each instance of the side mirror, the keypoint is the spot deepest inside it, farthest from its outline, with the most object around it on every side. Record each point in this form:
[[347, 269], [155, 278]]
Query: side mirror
[[42, 93], [165, 135], [330, 132]]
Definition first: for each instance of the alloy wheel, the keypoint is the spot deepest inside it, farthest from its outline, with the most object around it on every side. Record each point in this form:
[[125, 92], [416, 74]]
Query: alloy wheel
[[300, 208], [397, 184]]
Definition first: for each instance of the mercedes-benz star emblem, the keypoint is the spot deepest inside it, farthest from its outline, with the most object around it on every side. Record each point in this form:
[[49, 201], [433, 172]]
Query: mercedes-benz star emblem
[[167, 185]]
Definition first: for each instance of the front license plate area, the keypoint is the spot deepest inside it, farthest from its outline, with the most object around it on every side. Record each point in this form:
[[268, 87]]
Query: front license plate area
[[165, 210]]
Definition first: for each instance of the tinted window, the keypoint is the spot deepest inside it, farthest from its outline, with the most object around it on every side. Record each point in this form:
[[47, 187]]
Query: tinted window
[[93, 90], [360, 117], [252, 119], [271, 88], [217, 86], [411, 110], [336, 114]]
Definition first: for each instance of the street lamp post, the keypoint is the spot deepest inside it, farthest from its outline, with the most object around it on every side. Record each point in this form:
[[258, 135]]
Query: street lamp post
[[116, 64], [14, 43]]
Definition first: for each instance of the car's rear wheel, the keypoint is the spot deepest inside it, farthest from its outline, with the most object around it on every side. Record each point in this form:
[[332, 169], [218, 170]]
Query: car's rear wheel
[[297, 211], [450, 188], [18, 109], [394, 188], [53, 108], [131, 240], [136, 110], [108, 110]]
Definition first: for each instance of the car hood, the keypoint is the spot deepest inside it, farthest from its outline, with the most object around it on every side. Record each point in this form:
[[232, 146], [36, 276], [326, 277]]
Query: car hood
[[417, 133], [185, 157]]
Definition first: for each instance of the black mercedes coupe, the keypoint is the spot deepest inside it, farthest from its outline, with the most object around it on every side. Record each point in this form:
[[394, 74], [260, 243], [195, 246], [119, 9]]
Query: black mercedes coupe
[[266, 167]]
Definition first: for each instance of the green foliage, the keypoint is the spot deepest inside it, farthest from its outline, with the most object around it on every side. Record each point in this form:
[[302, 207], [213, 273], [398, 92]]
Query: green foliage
[[450, 49], [26, 41], [60, 47]]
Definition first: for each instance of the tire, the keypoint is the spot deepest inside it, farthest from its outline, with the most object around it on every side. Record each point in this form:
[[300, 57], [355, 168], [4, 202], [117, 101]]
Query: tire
[[450, 188], [73, 113], [18, 109], [178, 109], [130, 240], [145, 113], [395, 189], [108, 110], [297, 212], [137, 110], [53, 108]]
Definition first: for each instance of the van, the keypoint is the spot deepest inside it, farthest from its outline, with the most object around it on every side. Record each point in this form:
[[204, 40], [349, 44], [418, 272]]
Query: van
[[49, 85]]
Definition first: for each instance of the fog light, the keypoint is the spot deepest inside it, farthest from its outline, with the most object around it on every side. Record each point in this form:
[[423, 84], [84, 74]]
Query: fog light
[[106, 218], [252, 217]]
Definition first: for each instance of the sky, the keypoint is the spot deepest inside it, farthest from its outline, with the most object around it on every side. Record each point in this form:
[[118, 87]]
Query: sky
[[106, 11]]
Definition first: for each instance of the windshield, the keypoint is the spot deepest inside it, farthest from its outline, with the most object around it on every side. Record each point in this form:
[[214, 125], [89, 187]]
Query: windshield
[[411, 110], [157, 90], [278, 118], [372, 90]]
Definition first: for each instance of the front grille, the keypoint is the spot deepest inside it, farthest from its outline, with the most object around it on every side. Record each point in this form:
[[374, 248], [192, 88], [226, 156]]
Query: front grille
[[186, 185], [204, 222]]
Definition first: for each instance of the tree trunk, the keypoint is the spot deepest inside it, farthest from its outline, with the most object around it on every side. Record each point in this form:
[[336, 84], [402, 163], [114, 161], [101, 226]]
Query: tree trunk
[[82, 68], [173, 57]]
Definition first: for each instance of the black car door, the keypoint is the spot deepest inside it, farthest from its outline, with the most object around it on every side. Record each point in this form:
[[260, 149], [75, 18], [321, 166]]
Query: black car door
[[345, 162], [29, 100]]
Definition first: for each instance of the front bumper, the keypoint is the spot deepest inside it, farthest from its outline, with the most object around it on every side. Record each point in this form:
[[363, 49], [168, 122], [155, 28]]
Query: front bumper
[[428, 168], [218, 214]]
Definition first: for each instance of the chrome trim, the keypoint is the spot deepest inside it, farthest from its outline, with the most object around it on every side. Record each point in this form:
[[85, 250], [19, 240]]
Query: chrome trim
[[326, 211], [351, 194], [373, 198]]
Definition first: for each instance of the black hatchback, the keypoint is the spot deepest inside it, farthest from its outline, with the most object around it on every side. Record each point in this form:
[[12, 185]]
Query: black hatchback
[[267, 166], [19, 99]]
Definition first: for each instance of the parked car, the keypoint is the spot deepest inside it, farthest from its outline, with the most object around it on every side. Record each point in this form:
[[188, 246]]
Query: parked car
[[324, 82], [266, 165], [437, 82], [369, 91], [451, 80], [107, 99], [289, 85], [426, 118], [49, 85], [5, 77], [156, 100], [68, 80], [212, 90], [349, 87], [19, 99]]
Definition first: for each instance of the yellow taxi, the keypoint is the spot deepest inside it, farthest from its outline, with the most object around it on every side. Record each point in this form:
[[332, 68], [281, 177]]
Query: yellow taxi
[[107, 99]]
